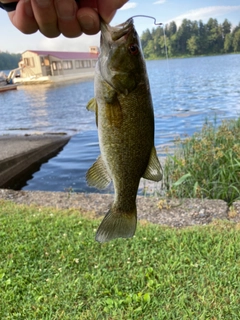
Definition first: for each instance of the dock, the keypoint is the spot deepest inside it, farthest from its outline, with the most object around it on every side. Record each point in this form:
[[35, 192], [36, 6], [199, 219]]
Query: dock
[[19, 155]]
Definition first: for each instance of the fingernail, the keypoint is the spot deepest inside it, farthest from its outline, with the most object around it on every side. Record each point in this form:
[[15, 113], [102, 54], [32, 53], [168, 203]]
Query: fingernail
[[66, 10], [43, 3], [28, 8], [86, 22]]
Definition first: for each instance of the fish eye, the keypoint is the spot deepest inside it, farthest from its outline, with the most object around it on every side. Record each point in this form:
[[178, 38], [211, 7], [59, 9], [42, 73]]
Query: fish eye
[[133, 48]]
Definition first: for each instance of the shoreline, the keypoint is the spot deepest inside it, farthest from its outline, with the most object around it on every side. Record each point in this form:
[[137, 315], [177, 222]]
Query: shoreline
[[176, 213], [21, 154]]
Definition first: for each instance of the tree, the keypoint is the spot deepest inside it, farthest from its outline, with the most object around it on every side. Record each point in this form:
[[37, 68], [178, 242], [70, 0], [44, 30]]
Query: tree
[[157, 34], [192, 45], [146, 36], [183, 34], [202, 36], [226, 28], [214, 35], [236, 28], [162, 46], [149, 50], [172, 45], [236, 41], [195, 28], [171, 29], [228, 43], [192, 37], [9, 61]]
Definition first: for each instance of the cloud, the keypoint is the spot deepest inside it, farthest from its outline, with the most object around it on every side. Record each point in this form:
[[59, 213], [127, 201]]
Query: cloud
[[129, 5], [159, 2], [205, 13]]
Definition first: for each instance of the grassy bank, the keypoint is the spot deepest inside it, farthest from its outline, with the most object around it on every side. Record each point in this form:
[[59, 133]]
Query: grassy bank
[[207, 164], [51, 268]]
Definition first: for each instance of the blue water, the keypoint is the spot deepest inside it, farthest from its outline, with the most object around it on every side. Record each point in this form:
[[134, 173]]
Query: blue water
[[185, 93]]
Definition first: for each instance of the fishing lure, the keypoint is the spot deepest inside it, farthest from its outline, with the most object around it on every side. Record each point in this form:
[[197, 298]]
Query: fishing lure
[[150, 17]]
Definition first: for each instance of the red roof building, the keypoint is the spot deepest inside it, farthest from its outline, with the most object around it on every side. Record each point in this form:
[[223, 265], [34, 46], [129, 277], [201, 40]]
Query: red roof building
[[39, 63]]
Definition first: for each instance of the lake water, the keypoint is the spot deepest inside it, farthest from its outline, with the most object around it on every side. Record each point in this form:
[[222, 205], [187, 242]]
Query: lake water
[[185, 93]]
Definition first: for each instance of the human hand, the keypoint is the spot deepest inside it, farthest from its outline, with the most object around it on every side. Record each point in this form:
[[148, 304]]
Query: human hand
[[68, 17]]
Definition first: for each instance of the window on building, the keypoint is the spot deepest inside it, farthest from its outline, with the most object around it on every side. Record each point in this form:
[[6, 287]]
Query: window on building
[[56, 65], [67, 65], [86, 63], [78, 64], [94, 62], [29, 62]]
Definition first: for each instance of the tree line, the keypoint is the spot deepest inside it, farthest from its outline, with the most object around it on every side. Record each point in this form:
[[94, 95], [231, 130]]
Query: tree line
[[9, 60], [191, 38]]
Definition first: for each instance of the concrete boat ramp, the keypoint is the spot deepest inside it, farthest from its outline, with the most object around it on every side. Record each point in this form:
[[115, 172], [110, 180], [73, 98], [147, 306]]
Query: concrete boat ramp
[[20, 155]]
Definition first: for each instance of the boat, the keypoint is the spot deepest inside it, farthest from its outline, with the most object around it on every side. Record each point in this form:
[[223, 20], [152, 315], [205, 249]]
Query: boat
[[5, 84], [38, 67], [8, 87]]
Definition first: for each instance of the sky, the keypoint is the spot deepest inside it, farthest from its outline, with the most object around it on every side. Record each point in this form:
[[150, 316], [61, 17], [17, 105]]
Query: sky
[[165, 11]]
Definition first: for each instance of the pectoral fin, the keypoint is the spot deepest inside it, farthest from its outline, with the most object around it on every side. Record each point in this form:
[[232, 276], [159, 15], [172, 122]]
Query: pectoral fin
[[97, 176], [92, 106], [154, 169], [114, 113]]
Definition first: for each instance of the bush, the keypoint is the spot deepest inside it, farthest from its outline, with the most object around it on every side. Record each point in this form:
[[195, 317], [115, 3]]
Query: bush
[[206, 165]]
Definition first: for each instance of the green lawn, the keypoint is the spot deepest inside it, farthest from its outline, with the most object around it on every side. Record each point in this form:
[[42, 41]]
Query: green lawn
[[52, 268]]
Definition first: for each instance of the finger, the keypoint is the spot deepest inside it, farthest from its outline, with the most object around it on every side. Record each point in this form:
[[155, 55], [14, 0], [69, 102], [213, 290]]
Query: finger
[[23, 18], [67, 19], [88, 3], [108, 8], [46, 17], [89, 20]]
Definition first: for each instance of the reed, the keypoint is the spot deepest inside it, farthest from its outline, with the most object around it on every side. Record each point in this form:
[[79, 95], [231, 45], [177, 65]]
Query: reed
[[206, 165]]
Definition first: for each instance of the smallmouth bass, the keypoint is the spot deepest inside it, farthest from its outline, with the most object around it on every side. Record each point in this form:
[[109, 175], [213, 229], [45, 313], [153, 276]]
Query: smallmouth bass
[[125, 121]]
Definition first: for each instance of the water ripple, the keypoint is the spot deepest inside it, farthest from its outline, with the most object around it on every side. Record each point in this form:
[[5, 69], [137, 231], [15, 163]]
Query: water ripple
[[185, 93]]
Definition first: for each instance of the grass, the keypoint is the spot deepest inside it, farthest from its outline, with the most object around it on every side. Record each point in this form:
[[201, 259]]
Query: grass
[[51, 268], [206, 165]]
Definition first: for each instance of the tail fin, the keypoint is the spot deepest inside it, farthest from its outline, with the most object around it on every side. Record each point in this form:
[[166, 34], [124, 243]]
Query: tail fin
[[117, 225]]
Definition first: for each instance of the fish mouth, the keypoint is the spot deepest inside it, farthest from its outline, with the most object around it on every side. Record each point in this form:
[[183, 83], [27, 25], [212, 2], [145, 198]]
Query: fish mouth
[[113, 49], [115, 33]]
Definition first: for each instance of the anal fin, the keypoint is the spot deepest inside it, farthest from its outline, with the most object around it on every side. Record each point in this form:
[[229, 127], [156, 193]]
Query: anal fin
[[154, 168]]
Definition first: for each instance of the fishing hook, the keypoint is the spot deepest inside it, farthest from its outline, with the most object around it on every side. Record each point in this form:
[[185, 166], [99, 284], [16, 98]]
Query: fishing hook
[[144, 16]]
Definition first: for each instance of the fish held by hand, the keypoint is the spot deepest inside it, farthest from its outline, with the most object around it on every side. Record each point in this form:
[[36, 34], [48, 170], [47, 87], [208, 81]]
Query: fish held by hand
[[125, 121]]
